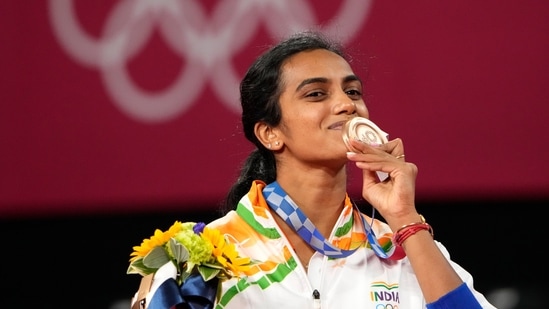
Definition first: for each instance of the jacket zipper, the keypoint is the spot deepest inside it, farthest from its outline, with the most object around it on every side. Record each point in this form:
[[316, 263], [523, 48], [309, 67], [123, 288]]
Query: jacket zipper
[[316, 299]]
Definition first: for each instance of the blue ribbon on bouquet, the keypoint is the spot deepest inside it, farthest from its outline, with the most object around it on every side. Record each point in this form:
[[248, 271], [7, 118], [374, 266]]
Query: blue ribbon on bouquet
[[194, 293]]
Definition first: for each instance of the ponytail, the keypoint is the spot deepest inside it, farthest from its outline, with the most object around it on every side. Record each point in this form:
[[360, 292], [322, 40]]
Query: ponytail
[[260, 165]]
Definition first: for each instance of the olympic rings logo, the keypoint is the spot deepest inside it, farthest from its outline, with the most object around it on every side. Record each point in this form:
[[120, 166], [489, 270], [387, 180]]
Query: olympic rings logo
[[206, 43], [386, 306]]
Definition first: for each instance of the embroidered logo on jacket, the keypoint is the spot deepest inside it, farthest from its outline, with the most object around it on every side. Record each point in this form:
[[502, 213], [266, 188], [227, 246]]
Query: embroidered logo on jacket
[[384, 295]]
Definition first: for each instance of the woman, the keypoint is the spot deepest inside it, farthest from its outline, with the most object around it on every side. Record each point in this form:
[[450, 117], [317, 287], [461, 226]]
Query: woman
[[296, 98]]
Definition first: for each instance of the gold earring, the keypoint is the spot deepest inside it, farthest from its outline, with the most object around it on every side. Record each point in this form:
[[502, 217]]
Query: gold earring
[[277, 143], [269, 146]]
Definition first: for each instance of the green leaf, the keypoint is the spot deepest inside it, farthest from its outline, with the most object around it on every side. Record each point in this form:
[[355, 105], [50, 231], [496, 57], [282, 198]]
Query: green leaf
[[156, 258], [137, 267], [180, 253], [211, 265], [208, 273]]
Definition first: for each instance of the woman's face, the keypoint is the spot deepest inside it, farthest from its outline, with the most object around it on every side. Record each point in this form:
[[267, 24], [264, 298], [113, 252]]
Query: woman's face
[[319, 94]]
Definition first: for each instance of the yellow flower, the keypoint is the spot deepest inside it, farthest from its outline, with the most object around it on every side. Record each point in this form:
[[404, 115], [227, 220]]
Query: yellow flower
[[225, 253], [158, 239]]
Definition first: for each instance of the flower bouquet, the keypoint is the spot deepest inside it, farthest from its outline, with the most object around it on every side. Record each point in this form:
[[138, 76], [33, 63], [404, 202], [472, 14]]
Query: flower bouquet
[[183, 267]]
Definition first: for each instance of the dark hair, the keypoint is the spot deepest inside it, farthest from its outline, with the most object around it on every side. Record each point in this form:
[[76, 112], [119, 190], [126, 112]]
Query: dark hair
[[260, 90]]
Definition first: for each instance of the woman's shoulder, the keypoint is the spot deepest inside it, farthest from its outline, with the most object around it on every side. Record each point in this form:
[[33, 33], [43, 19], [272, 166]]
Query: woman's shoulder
[[223, 220]]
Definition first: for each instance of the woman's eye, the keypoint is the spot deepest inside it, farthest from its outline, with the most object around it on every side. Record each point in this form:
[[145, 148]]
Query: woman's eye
[[315, 94], [354, 93]]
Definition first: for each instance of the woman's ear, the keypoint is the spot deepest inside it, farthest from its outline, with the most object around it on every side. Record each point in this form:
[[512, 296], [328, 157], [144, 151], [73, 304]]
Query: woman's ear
[[267, 136]]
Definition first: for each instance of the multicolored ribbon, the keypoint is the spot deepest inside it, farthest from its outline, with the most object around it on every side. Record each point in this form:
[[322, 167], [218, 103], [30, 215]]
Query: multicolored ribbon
[[287, 209]]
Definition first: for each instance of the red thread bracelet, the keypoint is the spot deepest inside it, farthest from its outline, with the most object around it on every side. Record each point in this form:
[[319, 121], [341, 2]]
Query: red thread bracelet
[[408, 230]]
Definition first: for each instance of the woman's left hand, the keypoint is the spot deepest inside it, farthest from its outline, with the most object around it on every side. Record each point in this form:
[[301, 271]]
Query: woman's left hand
[[393, 197]]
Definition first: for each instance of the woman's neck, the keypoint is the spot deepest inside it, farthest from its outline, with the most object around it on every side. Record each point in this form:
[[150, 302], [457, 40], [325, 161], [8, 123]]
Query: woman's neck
[[321, 199]]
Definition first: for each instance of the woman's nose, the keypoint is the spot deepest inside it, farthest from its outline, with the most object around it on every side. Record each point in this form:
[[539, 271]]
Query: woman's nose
[[345, 106]]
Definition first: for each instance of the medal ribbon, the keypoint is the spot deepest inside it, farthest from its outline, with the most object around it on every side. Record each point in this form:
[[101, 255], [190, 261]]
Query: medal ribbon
[[288, 210]]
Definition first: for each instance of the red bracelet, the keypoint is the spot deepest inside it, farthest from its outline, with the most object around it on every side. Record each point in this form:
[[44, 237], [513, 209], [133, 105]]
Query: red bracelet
[[408, 230]]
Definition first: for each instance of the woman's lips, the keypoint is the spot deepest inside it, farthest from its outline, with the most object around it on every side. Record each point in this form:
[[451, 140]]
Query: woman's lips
[[338, 125]]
